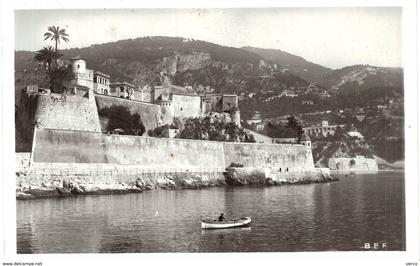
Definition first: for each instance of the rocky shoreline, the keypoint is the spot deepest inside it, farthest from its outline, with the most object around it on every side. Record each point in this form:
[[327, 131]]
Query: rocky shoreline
[[65, 186]]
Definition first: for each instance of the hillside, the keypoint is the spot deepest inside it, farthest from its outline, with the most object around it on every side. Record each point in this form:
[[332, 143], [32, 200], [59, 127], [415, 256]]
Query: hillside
[[295, 64], [353, 79], [179, 61], [345, 146]]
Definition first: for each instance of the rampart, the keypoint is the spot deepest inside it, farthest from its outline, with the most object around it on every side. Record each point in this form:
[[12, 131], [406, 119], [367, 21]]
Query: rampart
[[78, 162], [150, 114], [69, 146], [66, 112], [80, 147], [358, 163], [288, 157], [186, 105]]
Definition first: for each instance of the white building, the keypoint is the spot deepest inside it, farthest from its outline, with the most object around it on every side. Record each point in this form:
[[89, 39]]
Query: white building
[[101, 83], [81, 80], [324, 129], [122, 90]]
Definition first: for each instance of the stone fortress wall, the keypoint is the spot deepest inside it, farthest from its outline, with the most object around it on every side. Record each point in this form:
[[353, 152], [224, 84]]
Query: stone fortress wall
[[61, 147], [358, 163], [186, 106], [69, 148], [288, 157], [66, 112], [80, 147], [150, 114]]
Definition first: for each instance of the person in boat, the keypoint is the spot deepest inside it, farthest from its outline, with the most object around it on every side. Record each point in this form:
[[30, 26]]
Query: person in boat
[[221, 218]]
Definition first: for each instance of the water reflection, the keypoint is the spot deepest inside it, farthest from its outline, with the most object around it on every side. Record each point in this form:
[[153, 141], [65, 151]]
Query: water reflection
[[337, 216]]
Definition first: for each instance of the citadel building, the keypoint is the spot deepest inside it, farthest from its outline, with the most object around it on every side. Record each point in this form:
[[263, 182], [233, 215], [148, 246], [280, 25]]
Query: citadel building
[[64, 133], [159, 103]]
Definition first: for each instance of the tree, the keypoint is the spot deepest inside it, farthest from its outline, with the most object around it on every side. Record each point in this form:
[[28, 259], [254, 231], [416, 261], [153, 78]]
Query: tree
[[56, 34], [294, 124], [119, 117], [57, 77], [47, 56]]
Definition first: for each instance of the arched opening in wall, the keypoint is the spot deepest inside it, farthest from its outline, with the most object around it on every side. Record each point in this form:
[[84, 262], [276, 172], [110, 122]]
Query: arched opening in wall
[[78, 66], [181, 108], [106, 92]]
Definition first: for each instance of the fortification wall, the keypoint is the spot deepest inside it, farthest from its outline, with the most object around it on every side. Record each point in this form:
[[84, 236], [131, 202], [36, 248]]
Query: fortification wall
[[288, 157], [78, 147], [24, 121], [66, 146], [150, 114], [186, 106], [22, 160], [66, 112], [358, 163]]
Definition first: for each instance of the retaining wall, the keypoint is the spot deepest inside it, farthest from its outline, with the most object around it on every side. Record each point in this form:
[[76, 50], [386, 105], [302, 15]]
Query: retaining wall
[[150, 114]]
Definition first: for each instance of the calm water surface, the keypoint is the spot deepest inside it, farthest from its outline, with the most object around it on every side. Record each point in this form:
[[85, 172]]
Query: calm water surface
[[341, 215]]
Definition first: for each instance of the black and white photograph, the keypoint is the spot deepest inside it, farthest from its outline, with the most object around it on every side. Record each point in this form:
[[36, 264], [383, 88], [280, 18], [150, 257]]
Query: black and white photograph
[[211, 130]]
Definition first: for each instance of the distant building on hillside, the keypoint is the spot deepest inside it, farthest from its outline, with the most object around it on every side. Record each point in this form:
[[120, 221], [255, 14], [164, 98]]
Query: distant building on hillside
[[307, 102], [355, 134], [324, 129], [288, 93], [255, 119]]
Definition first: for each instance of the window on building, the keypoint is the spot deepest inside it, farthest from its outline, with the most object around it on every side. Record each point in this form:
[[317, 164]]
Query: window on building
[[121, 89], [78, 66]]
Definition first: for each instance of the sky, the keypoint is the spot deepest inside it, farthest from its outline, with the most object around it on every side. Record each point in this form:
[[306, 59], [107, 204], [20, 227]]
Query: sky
[[332, 37]]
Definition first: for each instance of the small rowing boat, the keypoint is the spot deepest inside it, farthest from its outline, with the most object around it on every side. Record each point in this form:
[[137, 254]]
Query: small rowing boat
[[215, 224]]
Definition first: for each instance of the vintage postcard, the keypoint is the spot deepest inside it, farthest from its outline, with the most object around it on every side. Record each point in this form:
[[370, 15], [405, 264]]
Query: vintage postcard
[[278, 131]]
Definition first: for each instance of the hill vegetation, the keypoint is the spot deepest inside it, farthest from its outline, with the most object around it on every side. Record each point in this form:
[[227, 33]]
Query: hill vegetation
[[356, 78], [179, 61], [294, 64]]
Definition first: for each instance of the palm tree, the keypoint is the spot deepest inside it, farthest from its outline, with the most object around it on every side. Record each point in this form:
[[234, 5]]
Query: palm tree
[[57, 77], [47, 55], [56, 34]]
